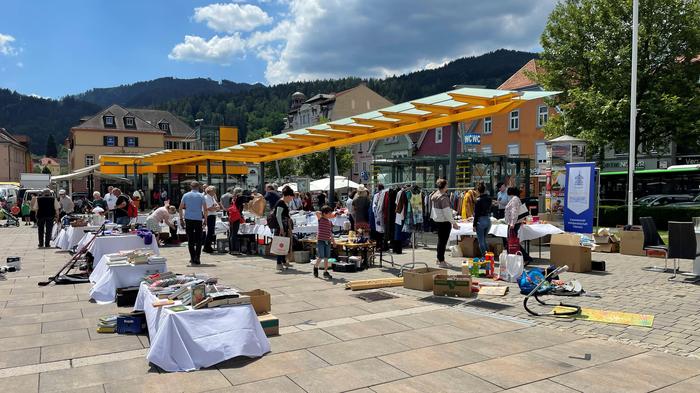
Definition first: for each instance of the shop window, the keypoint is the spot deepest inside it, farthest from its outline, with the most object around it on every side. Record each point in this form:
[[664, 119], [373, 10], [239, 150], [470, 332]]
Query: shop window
[[487, 125], [514, 120]]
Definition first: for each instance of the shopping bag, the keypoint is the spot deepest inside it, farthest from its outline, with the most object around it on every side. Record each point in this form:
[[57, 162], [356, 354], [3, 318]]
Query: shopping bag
[[515, 266], [513, 241], [280, 245]]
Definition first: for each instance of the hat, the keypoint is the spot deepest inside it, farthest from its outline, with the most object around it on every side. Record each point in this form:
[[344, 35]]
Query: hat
[[362, 188], [62, 192]]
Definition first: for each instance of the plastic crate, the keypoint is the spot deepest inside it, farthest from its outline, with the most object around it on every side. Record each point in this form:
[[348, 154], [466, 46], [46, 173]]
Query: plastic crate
[[131, 324]]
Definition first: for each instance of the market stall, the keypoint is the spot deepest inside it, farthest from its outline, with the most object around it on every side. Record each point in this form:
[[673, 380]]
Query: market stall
[[112, 243], [115, 271]]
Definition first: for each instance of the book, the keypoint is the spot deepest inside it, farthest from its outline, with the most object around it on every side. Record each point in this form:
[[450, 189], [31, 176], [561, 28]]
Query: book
[[198, 293], [163, 302], [178, 308], [104, 329]]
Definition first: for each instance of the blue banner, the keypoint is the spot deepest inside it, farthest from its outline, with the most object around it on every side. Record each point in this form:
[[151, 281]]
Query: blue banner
[[579, 199], [472, 139]]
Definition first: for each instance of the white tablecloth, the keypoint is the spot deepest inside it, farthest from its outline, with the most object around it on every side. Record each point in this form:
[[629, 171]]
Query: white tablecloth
[[110, 244], [106, 279], [526, 232], [69, 237], [194, 339]]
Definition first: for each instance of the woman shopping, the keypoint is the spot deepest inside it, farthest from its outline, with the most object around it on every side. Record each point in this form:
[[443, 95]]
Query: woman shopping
[[514, 221], [482, 217], [212, 208], [284, 222], [360, 208], [443, 217]]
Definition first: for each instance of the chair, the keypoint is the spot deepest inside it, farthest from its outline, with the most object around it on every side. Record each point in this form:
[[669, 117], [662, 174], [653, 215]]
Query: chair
[[682, 244], [652, 241]]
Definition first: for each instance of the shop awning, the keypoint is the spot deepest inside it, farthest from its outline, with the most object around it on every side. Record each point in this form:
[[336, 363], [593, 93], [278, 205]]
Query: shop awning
[[87, 171]]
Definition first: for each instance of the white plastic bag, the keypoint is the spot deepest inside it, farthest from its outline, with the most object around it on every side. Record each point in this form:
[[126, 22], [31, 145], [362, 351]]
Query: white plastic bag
[[515, 266], [503, 266], [280, 245]]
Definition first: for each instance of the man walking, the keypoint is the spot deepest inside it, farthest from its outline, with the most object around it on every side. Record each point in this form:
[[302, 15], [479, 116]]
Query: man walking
[[193, 210], [111, 200], [121, 208], [67, 205], [47, 210]]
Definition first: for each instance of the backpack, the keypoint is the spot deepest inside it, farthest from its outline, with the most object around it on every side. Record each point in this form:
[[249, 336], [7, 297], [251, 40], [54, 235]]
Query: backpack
[[272, 221], [131, 209], [234, 214]]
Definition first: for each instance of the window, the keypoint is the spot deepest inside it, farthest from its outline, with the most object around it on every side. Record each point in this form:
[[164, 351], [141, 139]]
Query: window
[[393, 139], [514, 120], [355, 169], [129, 122], [438, 135], [89, 159], [364, 166], [109, 121], [164, 126], [542, 115], [541, 150], [487, 125], [110, 140], [513, 150], [131, 141], [186, 146], [486, 149]]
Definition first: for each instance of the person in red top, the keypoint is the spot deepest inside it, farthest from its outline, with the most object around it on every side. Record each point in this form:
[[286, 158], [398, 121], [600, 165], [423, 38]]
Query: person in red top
[[324, 239]]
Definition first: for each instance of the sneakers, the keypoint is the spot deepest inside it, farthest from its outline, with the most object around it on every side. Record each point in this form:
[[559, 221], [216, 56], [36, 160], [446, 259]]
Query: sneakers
[[315, 271], [444, 264], [279, 267], [327, 275]]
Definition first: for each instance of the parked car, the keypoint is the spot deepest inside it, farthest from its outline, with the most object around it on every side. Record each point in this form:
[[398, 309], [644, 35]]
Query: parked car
[[612, 202], [695, 202], [662, 200]]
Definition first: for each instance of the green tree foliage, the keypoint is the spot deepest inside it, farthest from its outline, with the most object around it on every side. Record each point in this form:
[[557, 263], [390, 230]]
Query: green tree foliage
[[46, 170], [587, 55], [51, 149]]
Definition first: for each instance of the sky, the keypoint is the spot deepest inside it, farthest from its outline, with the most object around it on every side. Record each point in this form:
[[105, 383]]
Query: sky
[[54, 48]]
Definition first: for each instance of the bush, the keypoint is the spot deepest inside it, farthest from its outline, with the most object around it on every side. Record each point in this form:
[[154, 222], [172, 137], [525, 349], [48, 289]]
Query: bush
[[610, 216]]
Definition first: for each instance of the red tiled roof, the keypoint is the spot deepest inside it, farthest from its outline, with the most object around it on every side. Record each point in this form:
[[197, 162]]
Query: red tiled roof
[[519, 80]]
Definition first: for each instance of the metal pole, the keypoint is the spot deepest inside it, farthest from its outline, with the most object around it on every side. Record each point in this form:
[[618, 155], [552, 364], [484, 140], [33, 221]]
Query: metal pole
[[223, 172], [170, 182], [196, 171], [331, 187], [454, 143], [633, 115], [136, 179], [208, 172], [261, 179]]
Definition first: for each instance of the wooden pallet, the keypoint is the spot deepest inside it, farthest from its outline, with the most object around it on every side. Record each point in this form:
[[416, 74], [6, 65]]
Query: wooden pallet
[[358, 285]]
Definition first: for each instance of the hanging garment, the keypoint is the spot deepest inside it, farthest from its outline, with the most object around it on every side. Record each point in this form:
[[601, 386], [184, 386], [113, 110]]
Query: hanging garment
[[417, 208], [469, 203]]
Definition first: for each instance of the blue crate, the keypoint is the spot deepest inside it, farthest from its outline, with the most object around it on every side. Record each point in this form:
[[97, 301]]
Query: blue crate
[[131, 324]]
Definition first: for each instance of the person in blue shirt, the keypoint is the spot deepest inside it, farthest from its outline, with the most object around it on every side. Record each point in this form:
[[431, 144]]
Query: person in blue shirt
[[193, 210], [502, 199]]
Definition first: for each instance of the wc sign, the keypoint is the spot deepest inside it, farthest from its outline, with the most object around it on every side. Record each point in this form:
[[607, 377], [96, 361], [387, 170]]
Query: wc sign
[[472, 139]]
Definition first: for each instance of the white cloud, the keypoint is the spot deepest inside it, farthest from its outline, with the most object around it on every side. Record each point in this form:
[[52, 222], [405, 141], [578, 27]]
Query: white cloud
[[20, 64], [229, 18], [6, 47], [217, 49]]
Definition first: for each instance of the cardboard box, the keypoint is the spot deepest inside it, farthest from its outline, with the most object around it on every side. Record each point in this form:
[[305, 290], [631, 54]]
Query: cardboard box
[[632, 243], [421, 279], [260, 300], [566, 249], [606, 244], [270, 324], [469, 247], [458, 285]]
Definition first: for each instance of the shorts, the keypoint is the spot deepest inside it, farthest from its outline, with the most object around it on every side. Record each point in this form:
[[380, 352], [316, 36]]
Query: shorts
[[323, 248]]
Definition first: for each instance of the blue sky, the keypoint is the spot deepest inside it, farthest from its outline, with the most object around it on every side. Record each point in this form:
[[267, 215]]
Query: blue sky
[[53, 48]]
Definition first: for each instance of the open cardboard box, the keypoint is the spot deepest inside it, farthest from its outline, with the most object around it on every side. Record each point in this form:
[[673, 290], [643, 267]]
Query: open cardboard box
[[470, 247], [608, 243], [260, 300], [421, 278], [566, 249]]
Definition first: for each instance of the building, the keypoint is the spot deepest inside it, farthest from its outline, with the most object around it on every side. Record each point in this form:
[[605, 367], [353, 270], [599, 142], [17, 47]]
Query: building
[[330, 107], [14, 156]]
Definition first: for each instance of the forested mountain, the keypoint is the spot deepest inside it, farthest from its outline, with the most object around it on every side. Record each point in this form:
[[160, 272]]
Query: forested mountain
[[148, 93], [255, 109]]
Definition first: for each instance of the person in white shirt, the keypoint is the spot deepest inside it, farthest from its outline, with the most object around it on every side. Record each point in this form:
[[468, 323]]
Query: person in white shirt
[[348, 205], [111, 200], [213, 207]]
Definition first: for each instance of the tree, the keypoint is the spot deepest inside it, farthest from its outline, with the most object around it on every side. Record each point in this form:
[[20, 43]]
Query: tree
[[587, 55], [46, 170], [51, 149]]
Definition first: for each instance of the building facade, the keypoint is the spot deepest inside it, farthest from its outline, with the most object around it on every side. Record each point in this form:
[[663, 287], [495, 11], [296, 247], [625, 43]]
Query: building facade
[[14, 157], [330, 107]]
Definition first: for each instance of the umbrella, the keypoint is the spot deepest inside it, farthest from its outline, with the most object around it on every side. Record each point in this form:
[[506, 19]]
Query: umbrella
[[341, 183]]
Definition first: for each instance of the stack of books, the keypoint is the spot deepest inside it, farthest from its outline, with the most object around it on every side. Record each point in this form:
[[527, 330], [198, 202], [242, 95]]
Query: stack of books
[[107, 324]]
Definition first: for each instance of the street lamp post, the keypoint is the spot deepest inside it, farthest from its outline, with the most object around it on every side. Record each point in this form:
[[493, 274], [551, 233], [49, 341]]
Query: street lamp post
[[633, 115]]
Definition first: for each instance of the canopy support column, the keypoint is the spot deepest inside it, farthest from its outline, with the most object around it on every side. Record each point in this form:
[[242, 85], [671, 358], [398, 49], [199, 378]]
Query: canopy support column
[[126, 171], [170, 182], [413, 172], [261, 179], [196, 171], [136, 178], [223, 172], [209, 172], [331, 188], [454, 142]]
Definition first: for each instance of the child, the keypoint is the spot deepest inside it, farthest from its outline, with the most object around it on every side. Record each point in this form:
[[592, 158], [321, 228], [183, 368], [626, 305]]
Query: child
[[324, 239], [26, 211]]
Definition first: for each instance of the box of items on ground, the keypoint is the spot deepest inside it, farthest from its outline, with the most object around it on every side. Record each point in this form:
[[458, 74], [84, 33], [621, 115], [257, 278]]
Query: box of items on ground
[[343, 266], [126, 297], [566, 249], [270, 324], [260, 300], [421, 278], [458, 285], [606, 241], [134, 323], [632, 240], [469, 247]]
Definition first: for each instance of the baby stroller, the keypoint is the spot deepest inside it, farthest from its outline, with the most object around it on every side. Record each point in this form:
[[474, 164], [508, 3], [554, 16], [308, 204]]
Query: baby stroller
[[6, 214]]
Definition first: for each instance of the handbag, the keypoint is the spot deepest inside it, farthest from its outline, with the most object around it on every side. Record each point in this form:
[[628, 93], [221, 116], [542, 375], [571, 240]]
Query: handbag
[[280, 245], [523, 212]]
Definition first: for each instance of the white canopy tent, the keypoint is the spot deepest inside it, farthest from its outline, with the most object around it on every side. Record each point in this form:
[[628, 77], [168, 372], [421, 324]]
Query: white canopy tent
[[342, 184], [293, 186]]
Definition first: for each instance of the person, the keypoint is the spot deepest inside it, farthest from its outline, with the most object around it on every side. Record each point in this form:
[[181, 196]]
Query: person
[[443, 217], [47, 212], [511, 218], [482, 217], [158, 216], [212, 208], [174, 238], [360, 208], [193, 209], [226, 199], [468, 203], [348, 205], [284, 222], [271, 196], [324, 239], [78, 204], [164, 195], [136, 199], [67, 205], [321, 199], [26, 209], [121, 208], [296, 202], [308, 203], [111, 200], [97, 201], [235, 217], [502, 200]]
